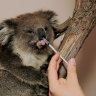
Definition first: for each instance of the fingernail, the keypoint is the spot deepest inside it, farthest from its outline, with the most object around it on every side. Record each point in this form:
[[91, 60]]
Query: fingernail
[[72, 62]]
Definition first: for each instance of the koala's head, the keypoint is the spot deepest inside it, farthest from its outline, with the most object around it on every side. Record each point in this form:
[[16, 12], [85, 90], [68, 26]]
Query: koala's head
[[27, 31]]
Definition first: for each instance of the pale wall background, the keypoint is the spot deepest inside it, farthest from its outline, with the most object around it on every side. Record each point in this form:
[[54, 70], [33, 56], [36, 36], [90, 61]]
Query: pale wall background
[[86, 59], [11, 8]]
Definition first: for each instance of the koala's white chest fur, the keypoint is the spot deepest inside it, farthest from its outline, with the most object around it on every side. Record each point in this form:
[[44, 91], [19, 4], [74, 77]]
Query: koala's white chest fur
[[29, 59]]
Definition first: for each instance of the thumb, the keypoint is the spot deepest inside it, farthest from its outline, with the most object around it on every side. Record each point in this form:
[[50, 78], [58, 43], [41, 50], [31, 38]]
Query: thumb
[[72, 75]]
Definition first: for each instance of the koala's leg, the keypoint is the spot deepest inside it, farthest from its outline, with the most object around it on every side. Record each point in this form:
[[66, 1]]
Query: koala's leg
[[15, 83], [41, 91], [44, 68], [11, 86], [28, 75]]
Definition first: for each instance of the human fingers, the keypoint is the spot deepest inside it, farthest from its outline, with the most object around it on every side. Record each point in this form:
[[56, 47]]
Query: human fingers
[[52, 70], [58, 63], [72, 75], [62, 81], [50, 94]]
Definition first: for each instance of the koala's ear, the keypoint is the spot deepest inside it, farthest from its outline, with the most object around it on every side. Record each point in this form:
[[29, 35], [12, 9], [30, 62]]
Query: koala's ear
[[7, 29], [11, 23], [51, 16]]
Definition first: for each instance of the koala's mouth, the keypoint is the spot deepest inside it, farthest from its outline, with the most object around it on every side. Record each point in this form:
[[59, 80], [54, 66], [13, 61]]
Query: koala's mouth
[[41, 44]]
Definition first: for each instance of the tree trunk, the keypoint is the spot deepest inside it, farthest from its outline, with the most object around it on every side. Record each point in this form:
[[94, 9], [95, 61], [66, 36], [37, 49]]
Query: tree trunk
[[82, 22]]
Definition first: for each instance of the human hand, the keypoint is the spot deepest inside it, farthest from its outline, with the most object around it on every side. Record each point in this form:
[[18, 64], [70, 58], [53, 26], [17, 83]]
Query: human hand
[[60, 86]]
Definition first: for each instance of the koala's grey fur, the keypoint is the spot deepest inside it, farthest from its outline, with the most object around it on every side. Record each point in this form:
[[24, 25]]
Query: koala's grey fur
[[21, 73]]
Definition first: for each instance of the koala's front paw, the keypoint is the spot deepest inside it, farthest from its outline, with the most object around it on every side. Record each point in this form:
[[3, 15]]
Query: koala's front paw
[[44, 80], [44, 68], [42, 88], [41, 91]]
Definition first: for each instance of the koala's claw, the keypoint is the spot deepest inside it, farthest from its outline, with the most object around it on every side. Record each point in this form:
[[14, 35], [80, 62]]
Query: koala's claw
[[44, 80], [41, 91], [44, 68]]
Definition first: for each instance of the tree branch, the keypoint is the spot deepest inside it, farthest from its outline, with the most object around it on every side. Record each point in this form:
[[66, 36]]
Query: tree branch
[[82, 23]]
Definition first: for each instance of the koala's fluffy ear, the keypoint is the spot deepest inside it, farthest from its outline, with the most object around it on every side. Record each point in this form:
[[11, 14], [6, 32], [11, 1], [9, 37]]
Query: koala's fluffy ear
[[51, 16], [7, 29]]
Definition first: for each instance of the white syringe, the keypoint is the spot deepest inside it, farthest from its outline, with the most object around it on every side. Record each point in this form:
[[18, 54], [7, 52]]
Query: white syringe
[[54, 50]]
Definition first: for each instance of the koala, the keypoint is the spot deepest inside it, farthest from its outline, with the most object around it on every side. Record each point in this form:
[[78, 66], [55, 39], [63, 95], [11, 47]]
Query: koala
[[24, 55]]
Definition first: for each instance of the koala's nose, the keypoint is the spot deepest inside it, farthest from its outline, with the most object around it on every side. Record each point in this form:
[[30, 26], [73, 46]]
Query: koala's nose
[[41, 33]]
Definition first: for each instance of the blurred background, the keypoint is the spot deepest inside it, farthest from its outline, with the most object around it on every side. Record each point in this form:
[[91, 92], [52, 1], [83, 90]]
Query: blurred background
[[11, 8], [86, 58]]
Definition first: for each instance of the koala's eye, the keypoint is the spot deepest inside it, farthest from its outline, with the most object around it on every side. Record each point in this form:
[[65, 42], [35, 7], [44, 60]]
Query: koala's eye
[[46, 28], [29, 31]]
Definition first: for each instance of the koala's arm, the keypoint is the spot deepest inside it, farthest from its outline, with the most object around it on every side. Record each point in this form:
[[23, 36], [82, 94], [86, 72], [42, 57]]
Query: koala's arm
[[12, 86], [60, 29], [24, 74], [29, 75]]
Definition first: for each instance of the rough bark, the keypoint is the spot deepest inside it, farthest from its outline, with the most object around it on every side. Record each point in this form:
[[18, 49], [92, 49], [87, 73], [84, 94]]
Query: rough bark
[[83, 21]]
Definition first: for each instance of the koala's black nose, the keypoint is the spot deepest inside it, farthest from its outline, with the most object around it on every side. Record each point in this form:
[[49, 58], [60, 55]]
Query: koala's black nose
[[41, 33]]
